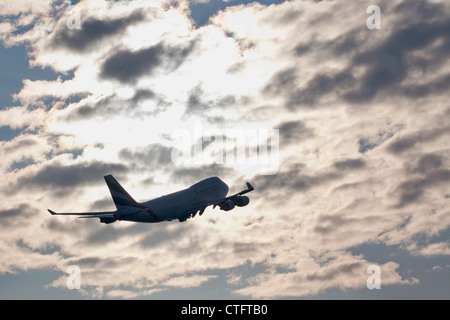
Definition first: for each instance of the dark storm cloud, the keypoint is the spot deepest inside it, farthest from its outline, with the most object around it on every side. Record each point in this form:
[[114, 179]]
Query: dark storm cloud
[[127, 66], [92, 31], [57, 176]]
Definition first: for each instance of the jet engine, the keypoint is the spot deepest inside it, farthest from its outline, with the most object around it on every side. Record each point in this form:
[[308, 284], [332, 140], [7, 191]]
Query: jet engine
[[227, 205], [241, 201], [107, 220]]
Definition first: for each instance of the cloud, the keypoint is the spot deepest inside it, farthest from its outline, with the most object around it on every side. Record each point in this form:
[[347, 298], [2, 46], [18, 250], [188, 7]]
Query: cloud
[[318, 87], [164, 237], [104, 107], [17, 258], [20, 117], [369, 69], [127, 66], [344, 272], [413, 189], [143, 102], [192, 173], [388, 64], [23, 148], [60, 177], [292, 132], [441, 248], [16, 216], [351, 164], [428, 163], [187, 282], [93, 31], [408, 142], [296, 176], [152, 156]]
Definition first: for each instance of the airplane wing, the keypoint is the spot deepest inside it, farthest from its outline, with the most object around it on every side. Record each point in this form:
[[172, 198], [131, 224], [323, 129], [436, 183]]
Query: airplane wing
[[99, 216], [105, 214], [221, 201]]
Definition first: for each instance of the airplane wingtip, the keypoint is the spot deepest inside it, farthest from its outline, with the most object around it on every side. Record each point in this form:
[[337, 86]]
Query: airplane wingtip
[[51, 212]]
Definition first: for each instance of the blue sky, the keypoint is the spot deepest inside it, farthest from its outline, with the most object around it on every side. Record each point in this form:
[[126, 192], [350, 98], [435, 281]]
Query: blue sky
[[364, 160], [202, 11]]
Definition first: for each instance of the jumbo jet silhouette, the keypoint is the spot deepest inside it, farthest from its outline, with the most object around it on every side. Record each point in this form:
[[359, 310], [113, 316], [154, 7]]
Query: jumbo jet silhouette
[[180, 205]]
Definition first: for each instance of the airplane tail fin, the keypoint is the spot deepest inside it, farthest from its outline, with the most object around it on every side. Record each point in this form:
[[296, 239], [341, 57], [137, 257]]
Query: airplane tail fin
[[119, 195]]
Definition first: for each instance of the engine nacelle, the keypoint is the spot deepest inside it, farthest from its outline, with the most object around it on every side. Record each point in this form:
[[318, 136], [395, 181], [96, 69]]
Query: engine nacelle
[[108, 220], [241, 201], [227, 205]]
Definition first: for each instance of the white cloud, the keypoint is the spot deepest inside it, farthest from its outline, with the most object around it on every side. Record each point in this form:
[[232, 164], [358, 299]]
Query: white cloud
[[441, 248]]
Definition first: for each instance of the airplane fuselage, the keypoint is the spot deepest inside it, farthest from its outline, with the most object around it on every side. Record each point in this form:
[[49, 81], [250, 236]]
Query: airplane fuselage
[[178, 205]]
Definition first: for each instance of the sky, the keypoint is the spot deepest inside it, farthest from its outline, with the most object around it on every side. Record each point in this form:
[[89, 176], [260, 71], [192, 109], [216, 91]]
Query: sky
[[362, 171]]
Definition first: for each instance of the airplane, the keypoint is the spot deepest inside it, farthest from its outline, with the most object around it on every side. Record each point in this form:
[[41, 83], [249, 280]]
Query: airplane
[[180, 205]]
